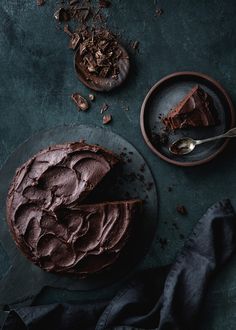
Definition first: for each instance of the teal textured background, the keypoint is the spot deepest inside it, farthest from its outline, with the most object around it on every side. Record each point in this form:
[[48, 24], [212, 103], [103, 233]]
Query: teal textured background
[[37, 79]]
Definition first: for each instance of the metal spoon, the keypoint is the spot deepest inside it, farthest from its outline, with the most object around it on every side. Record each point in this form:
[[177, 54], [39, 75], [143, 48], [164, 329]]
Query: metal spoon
[[186, 145]]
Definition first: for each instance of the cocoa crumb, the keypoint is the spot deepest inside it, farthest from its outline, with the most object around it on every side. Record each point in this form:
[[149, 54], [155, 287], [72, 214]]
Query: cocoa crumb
[[104, 3], [181, 209], [91, 97], [40, 2], [159, 11]]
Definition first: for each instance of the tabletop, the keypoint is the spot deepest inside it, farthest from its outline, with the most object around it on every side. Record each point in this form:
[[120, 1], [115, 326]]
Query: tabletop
[[37, 79]]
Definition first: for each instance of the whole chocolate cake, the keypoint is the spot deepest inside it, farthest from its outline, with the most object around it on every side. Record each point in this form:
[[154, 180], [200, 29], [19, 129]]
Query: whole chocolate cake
[[50, 224], [195, 110]]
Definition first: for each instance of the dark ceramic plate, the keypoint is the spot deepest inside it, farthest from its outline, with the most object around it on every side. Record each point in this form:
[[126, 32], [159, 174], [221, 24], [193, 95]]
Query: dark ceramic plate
[[134, 180], [164, 95]]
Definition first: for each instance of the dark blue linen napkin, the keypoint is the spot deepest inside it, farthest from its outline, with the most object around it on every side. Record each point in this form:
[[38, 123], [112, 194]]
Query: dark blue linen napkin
[[167, 298]]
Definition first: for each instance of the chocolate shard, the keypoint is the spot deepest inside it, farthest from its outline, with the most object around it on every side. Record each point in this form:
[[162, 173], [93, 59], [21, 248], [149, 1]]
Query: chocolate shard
[[80, 101], [74, 41], [62, 15], [104, 108], [99, 53], [196, 109], [106, 119]]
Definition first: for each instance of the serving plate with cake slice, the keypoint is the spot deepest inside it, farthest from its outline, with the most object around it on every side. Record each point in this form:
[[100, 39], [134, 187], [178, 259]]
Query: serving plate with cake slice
[[77, 215], [187, 104]]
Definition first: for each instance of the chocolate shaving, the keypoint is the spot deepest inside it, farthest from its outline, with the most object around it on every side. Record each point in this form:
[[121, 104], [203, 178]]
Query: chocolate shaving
[[62, 15], [135, 45], [104, 108], [99, 52], [106, 119], [81, 102], [74, 41]]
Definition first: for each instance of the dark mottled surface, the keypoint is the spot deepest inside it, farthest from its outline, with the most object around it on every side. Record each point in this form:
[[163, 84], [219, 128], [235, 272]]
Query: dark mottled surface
[[37, 78]]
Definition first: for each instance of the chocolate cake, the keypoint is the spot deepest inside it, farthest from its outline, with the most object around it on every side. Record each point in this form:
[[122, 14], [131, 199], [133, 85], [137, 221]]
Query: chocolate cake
[[195, 110], [49, 218]]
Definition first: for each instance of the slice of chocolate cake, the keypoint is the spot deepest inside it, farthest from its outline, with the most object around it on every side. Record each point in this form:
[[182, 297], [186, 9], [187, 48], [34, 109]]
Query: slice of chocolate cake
[[48, 221], [195, 110]]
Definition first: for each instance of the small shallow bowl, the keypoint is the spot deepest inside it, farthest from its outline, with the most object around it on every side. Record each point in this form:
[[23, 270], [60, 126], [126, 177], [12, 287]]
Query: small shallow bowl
[[164, 95], [102, 84]]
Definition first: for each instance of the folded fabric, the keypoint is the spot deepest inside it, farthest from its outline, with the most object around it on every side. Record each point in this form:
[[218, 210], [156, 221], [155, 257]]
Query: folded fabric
[[167, 298]]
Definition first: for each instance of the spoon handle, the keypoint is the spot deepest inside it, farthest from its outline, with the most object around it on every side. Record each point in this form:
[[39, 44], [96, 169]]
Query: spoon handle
[[229, 134]]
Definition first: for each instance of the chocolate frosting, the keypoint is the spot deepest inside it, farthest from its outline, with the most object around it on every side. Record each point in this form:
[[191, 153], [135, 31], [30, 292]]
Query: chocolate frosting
[[196, 109], [46, 217]]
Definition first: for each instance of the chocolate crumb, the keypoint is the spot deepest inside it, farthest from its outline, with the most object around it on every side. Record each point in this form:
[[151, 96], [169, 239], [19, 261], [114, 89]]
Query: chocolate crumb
[[104, 3], [81, 102], [106, 119], [181, 236], [161, 138], [174, 224], [40, 2], [125, 108], [91, 97], [170, 189], [163, 242], [104, 108], [149, 186], [67, 30], [142, 168], [181, 209], [159, 11]]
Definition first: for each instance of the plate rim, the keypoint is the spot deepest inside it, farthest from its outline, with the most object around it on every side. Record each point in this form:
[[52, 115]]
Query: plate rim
[[149, 95]]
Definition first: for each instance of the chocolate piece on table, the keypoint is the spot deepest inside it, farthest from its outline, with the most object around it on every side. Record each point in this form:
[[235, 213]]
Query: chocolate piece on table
[[50, 220], [106, 119], [195, 110], [80, 101]]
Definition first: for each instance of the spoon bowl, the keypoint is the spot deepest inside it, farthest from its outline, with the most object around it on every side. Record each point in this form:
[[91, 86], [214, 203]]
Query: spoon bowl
[[186, 145], [182, 146]]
